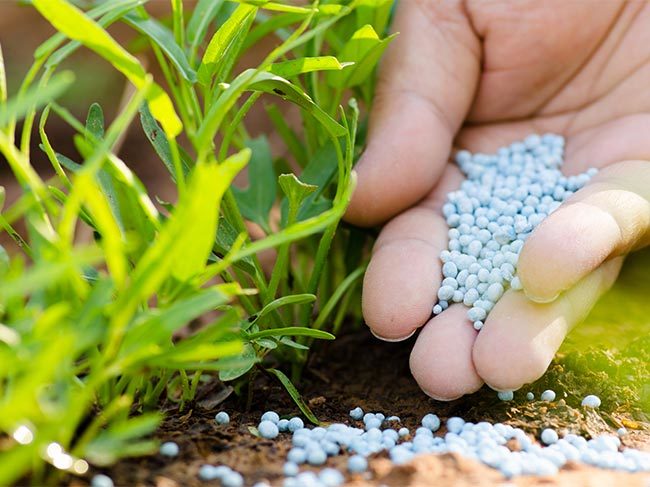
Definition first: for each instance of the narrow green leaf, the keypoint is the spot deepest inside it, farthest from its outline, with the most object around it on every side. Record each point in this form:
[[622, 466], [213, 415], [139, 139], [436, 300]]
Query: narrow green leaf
[[35, 97], [68, 163], [203, 14], [134, 212], [158, 325], [340, 291], [295, 395], [113, 10], [266, 343], [278, 7], [95, 121], [286, 90], [245, 363], [164, 39], [292, 331], [61, 54], [284, 301], [73, 23], [364, 49], [160, 143], [288, 69], [285, 340], [256, 201], [225, 45]]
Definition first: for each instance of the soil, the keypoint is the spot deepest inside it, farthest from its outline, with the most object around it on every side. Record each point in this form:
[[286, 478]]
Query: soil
[[358, 370]]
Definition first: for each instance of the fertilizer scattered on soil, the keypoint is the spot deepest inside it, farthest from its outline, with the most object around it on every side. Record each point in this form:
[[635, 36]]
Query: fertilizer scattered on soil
[[499, 446], [504, 448], [504, 198], [333, 385]]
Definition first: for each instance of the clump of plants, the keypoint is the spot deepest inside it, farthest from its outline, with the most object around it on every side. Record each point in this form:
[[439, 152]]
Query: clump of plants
[[89, 329]]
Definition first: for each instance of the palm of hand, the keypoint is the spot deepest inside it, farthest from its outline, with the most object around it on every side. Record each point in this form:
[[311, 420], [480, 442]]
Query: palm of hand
[[575, 69]]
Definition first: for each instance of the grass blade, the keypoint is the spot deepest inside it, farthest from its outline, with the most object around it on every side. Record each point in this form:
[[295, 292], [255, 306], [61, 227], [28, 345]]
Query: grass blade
[[17, 107], [114, 11], [284, 301], [276, 85], [160, 143], [364, 49], [225, 45], [73, 23], [288, 69], [164, 39], [292, 331], [295, 395], [204, 13]]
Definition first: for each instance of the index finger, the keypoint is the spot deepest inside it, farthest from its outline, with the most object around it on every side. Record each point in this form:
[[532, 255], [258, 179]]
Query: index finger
[[425, 89]]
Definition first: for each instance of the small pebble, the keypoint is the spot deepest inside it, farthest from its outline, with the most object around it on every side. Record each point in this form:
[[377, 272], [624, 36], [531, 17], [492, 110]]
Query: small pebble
[[222, 417], [621, 431], [548, 395], [591, 401], [101, 480], [169, 449], [530, 396]]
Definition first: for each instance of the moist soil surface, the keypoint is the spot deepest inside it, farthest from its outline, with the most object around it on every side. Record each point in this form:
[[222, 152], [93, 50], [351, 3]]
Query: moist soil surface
[[358, 370]]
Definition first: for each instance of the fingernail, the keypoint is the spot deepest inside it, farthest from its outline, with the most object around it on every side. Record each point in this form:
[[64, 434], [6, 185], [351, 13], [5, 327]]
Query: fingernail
[[441, 399], [393, 340], [540, 299]]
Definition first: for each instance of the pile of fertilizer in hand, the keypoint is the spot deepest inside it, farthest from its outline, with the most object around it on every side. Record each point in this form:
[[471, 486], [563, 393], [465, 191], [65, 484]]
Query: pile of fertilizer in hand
[[504, 198]]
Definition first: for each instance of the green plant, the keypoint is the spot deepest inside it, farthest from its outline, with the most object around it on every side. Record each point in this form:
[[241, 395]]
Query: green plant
[[87, 333]]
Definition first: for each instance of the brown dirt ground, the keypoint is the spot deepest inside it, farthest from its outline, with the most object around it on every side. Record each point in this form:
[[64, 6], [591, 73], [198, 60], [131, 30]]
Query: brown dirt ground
[[357, 370]]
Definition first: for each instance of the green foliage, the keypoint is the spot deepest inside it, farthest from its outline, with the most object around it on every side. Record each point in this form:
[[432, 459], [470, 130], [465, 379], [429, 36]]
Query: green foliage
[[94, 332]]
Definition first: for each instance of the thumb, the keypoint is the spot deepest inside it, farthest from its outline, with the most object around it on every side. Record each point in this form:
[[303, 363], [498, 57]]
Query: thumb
[[425, 88], [607, 218]]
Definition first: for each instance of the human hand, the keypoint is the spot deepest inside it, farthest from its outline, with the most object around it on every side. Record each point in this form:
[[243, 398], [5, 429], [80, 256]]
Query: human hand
[[479, 75]]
